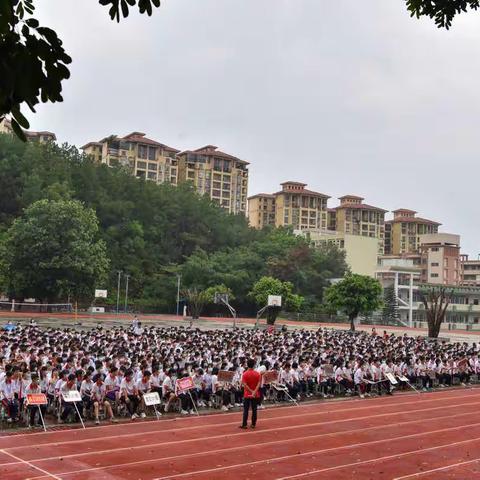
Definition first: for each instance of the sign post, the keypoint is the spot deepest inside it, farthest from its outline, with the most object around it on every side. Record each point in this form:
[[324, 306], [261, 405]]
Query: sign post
[[186, 384], [73, 396], [152, 399], [38, 399]]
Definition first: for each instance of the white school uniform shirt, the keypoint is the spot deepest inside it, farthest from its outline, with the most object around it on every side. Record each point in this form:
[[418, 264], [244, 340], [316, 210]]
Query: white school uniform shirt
[[111, 383], [167, 386], [98, 392], [128, 386], [144, 387], [86, 388], [8, 390], [358, 376], [338, 374]]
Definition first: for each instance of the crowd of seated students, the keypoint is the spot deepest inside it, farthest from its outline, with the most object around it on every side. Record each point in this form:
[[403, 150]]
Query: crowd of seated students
[[113, 368]]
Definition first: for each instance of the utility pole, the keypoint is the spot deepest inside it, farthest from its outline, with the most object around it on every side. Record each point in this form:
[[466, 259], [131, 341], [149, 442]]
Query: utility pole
[[126, 292], [178, 293], [119, 272]]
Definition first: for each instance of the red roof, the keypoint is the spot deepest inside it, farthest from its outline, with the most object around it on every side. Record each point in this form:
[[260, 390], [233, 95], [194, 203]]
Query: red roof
[[211, 151], [351, 196], [303, 192], [264, 195], [360, 206], [300, 184], [412, 220], [135, 137], [404, 210]]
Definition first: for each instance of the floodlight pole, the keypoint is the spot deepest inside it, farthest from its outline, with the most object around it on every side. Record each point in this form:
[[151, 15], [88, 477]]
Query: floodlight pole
[[126, 292], [178, 293], [119, 272]]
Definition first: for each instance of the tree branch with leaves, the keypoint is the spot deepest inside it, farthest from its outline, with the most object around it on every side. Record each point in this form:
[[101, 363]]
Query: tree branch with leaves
[[33, 62]]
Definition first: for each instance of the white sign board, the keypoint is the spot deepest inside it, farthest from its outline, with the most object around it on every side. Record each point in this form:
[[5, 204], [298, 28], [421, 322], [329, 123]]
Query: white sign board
[[71, 396], [274, 301], [403, 378], [392, 379], [100, 294], [151, 399]]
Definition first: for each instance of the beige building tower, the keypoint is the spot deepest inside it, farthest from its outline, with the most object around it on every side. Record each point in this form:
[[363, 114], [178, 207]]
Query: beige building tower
[[219, 175], [145, 158]]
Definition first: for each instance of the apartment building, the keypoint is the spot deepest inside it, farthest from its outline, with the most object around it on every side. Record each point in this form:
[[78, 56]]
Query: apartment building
[[294, 205], [144, 157], [470, 271], [261, 210], [221, 176], [402, 234], [353, 217], [41, 137]]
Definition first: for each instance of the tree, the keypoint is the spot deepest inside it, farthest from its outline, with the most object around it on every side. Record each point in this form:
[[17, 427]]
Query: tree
[[272, 286], [390, 304], [442, 11], [53, 252], [436, 299], [211, 291], [34, 62], [354, 295]]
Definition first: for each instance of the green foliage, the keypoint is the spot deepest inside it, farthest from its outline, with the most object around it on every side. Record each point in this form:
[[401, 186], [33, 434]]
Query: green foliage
[[33, 61], [211, 291], [442, 11], [354, 295], [53, 252], [266, 286]]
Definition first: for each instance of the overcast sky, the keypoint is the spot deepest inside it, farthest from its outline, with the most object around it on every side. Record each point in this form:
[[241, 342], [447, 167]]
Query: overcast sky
[[350, 97]]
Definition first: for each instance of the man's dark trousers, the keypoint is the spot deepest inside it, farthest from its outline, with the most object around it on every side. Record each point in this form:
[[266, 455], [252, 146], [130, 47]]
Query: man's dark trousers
[[247, 404]]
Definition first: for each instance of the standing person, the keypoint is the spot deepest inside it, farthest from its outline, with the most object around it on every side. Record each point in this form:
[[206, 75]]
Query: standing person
[[251, 381]]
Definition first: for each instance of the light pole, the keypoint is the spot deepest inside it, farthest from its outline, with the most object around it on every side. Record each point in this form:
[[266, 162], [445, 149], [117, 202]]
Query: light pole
[[127, 276], [119, 272], [178, 293]]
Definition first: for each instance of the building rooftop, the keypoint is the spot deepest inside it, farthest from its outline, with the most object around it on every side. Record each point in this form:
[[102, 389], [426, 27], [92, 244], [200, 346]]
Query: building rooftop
[[212, 151], [360, 206], [134, 137], [413, 220], [263, 195]]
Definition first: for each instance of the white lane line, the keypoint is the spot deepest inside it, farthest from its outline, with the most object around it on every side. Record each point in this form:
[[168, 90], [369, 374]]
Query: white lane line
[[268, 460], [24, 462], [202, 439], [197, 427], [447, 467], [381, 402], [314, 472]]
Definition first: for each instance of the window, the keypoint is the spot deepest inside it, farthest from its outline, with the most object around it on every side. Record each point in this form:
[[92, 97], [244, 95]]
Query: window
[[142, 151], [152, 153], [434, 275], [435, 264], [142, 165], [435, 249]]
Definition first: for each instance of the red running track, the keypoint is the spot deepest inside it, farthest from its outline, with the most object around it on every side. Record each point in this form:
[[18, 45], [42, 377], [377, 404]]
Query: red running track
[[432, 436]]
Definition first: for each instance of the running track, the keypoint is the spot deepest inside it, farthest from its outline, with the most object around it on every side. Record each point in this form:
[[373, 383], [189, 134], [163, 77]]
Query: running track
[[434, 436]]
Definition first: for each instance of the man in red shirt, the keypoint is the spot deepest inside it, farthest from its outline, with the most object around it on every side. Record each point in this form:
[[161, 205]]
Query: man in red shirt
[[251, 381]]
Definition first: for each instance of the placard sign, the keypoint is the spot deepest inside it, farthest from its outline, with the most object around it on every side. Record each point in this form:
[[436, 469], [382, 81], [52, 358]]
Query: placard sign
[[36, 399], [270, 377], [225, 376], [71, 396], [392, 379], [185, 384], [403, 378], [151, 399]]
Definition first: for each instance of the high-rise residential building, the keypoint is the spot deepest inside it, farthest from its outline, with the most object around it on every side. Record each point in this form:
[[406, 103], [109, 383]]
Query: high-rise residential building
[[294, 205], [402, 234], [353, 217], [145, 158], [219, 175], [470, 271], [41, 137], [261, 210]]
